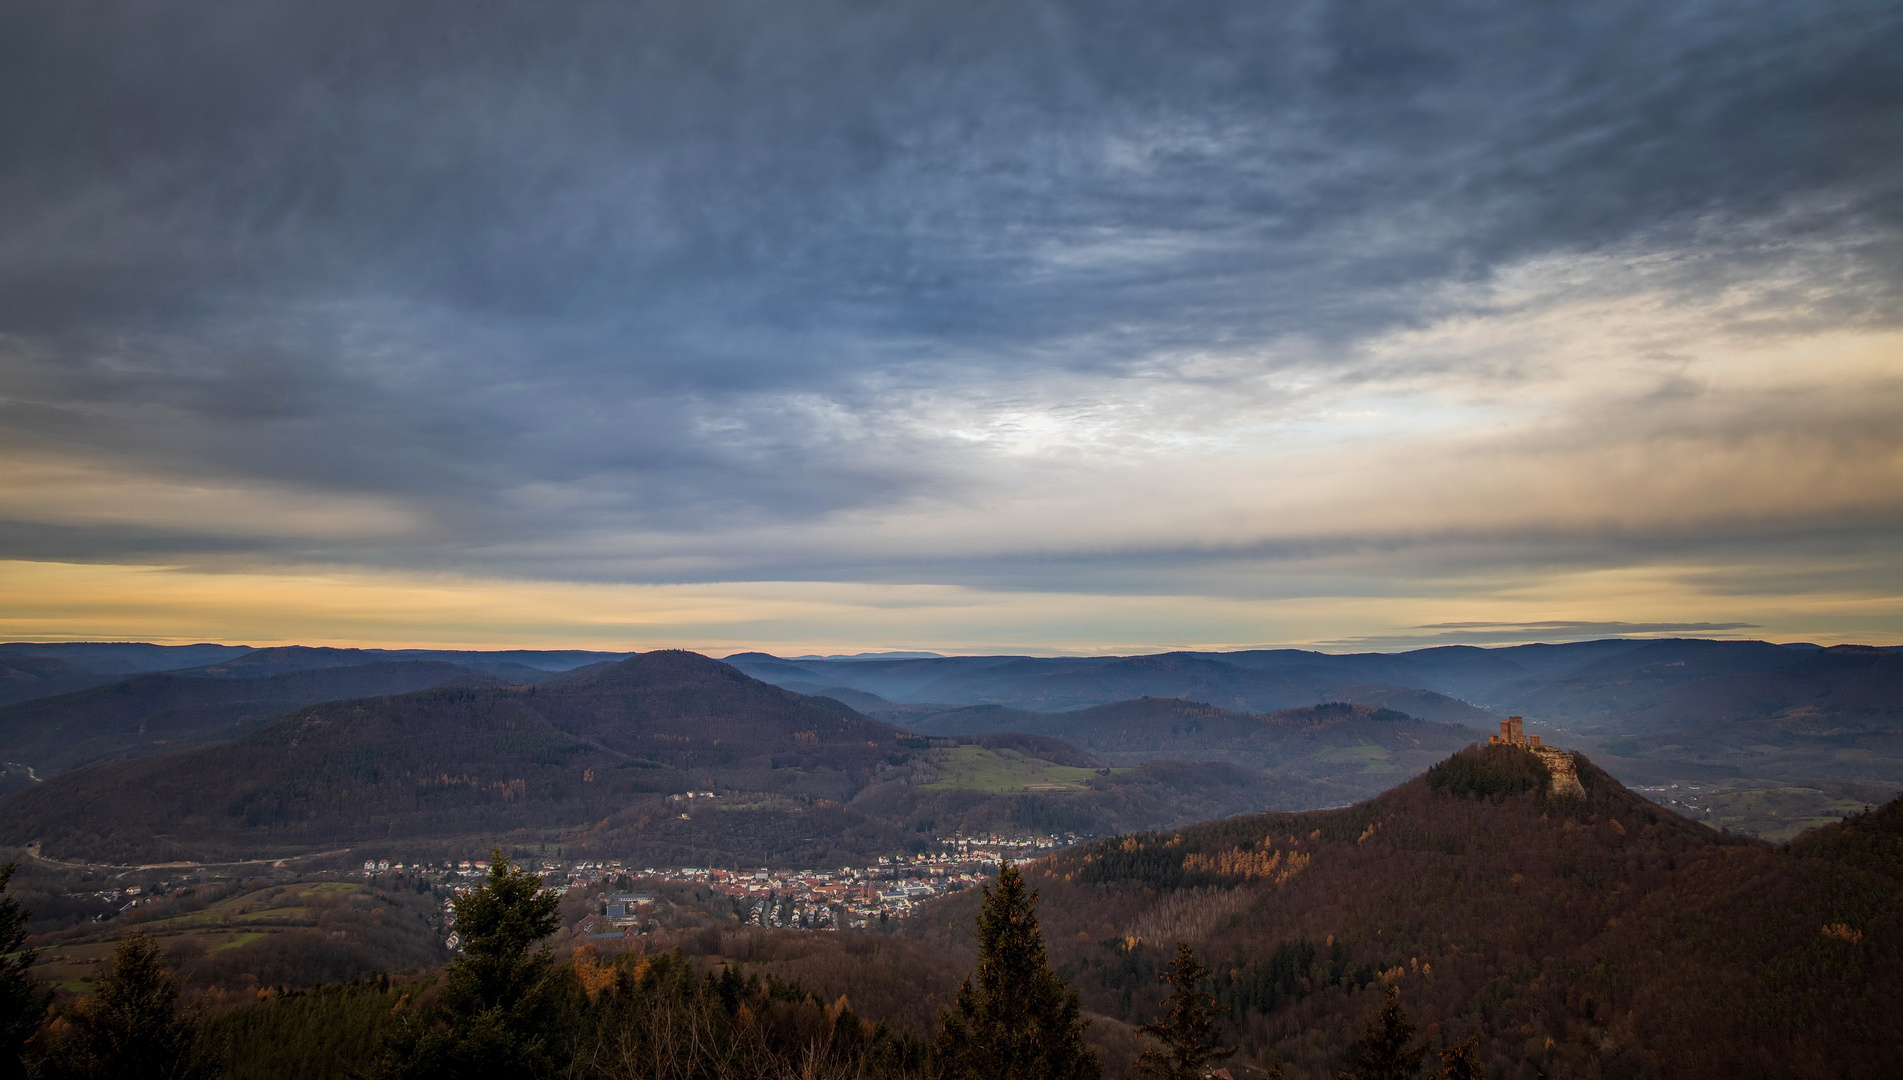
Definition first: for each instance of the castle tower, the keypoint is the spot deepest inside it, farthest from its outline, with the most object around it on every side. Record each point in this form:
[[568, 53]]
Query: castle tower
[[1512, 733], [1558, 762]]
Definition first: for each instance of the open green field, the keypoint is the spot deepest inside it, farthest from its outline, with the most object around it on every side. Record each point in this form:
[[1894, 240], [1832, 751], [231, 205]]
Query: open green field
[[1767, 811], [1777, 813], [289, 918], [227, 924], [974, 768]]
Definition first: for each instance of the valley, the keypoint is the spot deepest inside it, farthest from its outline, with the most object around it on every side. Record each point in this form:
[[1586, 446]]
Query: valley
[[1313, 853], [1595, 934], [1732, 718], [1026, 540], [1822, 726]]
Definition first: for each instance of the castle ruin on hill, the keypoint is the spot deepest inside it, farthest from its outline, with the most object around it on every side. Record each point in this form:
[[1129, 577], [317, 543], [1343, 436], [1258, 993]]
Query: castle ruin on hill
[[1557, 761]]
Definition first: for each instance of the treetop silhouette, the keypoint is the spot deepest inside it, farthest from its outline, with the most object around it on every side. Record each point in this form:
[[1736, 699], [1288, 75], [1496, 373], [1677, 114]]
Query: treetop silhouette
[[1013, 1018]]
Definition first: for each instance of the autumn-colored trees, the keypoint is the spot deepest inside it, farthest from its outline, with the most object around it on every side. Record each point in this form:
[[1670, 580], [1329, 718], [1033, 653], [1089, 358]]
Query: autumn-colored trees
[[130, 1027]]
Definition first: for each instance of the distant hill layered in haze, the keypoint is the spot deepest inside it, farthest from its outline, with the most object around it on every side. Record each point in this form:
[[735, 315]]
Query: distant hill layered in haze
[[146, 714], [1742, 706], [1342, 751], [1656, 711], [69, 704], [1767, 738], [1587, 683], [31, 670], [589, 758]]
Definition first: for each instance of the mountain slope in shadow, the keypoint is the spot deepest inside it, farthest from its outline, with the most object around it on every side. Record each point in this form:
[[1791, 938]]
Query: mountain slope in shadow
[[1594, 936], [592, 758], [1335, 753], [148, 714]]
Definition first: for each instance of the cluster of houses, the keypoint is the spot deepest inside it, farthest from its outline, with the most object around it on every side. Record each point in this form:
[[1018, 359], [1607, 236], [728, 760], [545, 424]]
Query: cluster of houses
[[846, 898], [450, 868], [1689, 800], [124, 899]]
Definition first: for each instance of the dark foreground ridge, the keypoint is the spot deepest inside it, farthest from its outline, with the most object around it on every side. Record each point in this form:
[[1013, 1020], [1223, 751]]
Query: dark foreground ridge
[[1589, 935], [1527, 920]]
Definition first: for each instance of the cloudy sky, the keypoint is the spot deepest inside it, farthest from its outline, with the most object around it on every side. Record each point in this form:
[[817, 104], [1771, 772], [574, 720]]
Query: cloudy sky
[[816, 325]]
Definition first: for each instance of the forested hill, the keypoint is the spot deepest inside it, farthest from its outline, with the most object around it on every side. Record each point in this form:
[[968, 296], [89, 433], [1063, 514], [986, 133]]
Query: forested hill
[[1592, 937], [590, 760], [1774, 736], [682, 708], [455, 761], [44, 669], [1343, 751], [146, 714]]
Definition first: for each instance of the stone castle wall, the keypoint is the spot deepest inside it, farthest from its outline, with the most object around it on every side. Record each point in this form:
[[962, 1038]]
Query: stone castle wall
[[1558, 762]]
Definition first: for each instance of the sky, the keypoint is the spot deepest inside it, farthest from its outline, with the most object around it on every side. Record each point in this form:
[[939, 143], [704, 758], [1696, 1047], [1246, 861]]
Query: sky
[[1020, 326]]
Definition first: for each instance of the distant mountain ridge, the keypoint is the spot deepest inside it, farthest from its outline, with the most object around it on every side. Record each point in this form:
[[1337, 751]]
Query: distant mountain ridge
[[590, 758], [1573, 682], [1791, 733], [31, 670], [1657, 711], [124, 657], [1351, 750], [1568, 679], [145, 714], [509, 663]]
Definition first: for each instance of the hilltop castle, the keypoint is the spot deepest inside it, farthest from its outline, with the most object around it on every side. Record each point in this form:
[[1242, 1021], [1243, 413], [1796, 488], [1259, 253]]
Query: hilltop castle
[[1557, 761]]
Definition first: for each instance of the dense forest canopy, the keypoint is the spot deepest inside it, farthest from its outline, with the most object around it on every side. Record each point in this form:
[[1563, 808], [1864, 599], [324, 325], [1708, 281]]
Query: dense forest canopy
[[1502, 929]]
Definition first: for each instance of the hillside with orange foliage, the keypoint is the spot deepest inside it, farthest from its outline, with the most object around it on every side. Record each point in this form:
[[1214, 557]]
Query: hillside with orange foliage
[[1592, 936]]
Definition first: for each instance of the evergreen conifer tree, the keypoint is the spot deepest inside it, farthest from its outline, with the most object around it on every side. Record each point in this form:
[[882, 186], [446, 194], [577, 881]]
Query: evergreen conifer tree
[[1013, 1019], [1382, 1052], [498, 923], [501, 1007], [1188, 1031], [130, 1028], [22, 1006]]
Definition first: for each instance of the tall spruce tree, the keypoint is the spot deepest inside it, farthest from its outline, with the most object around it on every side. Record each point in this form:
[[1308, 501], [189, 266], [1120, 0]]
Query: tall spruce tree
[[1189, 1032], [1382, 1052], [1013, 1019], [501, 1009], [499, 924], [130, 1027], [22, 1005]]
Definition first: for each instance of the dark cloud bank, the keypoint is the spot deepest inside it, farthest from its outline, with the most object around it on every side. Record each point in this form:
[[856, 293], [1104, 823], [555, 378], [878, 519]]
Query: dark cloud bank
[[552, 275]]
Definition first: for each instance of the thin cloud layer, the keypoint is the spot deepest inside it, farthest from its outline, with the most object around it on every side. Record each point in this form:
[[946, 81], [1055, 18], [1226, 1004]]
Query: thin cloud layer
[[1219, 300]]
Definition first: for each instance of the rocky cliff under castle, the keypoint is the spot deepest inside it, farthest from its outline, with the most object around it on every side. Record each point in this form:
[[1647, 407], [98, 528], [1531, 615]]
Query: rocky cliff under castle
[[1558, 762]]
